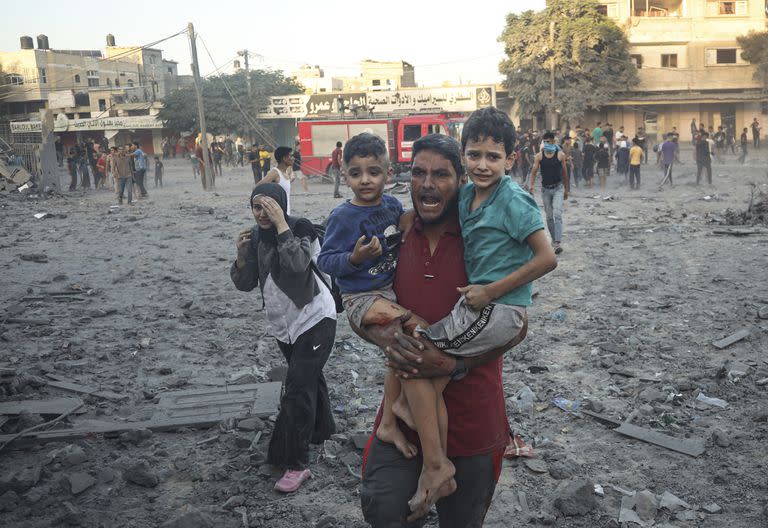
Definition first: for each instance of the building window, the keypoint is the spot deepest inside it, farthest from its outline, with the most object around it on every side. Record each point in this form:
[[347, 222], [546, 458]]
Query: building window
[[638, 60], [93, 82], [41, 75], [657, 8], [117, 82], [170, 71], [14, 78], [726, 56], [109, 81], [669, 60], [152, 59], [609, 9], [102, 105], [130, 83], [77, 78], [727, 7], [376, 82]]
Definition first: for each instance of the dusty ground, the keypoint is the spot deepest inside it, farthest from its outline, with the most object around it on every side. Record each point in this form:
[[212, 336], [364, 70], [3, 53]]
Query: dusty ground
[[644, 286]]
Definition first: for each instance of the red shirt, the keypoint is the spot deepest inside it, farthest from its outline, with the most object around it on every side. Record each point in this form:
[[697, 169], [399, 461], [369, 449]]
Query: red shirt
[[426, 284], [336, 158]]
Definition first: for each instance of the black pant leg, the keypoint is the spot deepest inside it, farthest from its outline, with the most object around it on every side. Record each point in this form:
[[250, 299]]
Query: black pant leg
[[475, 485], [296, 422]]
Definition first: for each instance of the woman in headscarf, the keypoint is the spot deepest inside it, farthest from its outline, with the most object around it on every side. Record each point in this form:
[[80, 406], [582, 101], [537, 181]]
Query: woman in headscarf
[[277, 255]]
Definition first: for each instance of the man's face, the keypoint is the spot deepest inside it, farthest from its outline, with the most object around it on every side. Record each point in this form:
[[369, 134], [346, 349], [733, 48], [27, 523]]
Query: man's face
[[434, 187]]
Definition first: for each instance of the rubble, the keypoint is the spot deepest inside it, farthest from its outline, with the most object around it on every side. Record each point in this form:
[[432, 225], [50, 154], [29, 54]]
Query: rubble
[[575, 497]]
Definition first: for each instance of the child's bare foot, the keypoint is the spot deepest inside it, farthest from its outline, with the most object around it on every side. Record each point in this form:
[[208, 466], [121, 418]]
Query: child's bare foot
[[401, 409], [434, 484], [392, 434]]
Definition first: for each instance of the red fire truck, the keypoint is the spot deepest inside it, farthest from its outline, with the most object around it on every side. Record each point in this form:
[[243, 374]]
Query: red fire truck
[[317, 139]]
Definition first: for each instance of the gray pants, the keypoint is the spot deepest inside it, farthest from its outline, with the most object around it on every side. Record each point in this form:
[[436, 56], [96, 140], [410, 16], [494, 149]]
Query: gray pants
[[468, 333], [336, 175], [553, 209], [357, 304]]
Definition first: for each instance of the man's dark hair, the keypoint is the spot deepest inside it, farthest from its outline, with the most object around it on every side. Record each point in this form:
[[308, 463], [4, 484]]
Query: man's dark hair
[[441, 144], [281, 153], [137, 144], [364, 145], [338, 144], [548, 135], [489, 122], [588, 139]]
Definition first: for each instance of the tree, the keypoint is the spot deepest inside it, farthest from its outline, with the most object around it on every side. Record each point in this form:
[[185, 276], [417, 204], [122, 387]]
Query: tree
[[754, 47], [222, 113], [588, 51]]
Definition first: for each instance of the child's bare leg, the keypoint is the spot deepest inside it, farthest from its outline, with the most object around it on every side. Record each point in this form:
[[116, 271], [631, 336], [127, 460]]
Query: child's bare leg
[[383, 312], [400, 406], [442, 411], [436, 480], [388, 431]]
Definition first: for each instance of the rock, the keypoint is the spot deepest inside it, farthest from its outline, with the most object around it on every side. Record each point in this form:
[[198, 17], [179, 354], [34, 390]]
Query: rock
[[140, 474], [575, 497], [257, 458], [234, 502], [251, 424], [327, 521], [646, 505], [106, 475], [72, 455], [135, 436], [36, 494], [712, 508], [672, 503], [351, 458], [242, 442], [79, 482], [70, 515], [652, 394], [21, 480], [536, 465], [720, 438], [594, 405], [8, 501], [190, 518], [562, 469]]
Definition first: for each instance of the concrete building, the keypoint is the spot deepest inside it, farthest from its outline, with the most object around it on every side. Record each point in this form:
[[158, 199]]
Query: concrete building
[[314, 80], [689, 64], [85, 84], [381, 75]]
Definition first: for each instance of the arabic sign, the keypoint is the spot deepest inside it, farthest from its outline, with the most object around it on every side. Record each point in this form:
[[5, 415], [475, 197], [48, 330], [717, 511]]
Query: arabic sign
[[102, 123], [452, 99]]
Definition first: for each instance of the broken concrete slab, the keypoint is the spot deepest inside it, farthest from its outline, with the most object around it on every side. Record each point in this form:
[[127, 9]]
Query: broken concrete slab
[[79, 482], [256, 399], [141, 475], [712, 508], [575, 497], [54, 406], [689, 447], [20, 481], [731, 339], [58, 382], [672, 503], [536, 465], [627, 514]]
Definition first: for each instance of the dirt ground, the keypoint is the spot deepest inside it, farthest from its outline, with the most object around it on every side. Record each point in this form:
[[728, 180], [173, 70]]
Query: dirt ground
[[624, 326]]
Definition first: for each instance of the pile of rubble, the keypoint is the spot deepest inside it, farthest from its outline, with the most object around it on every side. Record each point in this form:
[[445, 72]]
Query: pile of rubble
[[13, 178], [757, 211]]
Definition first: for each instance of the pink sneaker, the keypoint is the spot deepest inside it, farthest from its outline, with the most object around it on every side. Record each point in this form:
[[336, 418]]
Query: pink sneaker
[[291, 480]]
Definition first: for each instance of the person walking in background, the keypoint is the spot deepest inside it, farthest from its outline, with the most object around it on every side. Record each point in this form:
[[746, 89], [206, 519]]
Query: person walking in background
[[756, 128], [744, 142], [281, 174], [140, 165], [124, 175], [254, 160], [265, 160], [336, 169], [297, 172], [159, 167], [554, 186], [703, 158], [636, 156], [667, 155]]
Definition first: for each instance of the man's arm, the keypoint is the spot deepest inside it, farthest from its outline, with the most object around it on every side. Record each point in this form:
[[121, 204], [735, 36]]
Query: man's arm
[[564, 171], [534, 171], [271, 177]]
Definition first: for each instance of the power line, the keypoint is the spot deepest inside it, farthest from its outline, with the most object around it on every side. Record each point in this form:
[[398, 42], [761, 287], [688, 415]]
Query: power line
[[258, 128]]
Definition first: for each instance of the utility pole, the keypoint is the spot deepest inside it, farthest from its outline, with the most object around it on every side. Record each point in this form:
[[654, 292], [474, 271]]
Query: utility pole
[[552, 112], [249, 106], [200, 110]]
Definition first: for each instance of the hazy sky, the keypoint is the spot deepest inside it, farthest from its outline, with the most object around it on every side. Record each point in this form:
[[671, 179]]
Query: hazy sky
[[442, 43]]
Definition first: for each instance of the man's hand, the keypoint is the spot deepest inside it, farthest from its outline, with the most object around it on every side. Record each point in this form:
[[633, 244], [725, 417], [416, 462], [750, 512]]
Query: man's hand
[[243, 244], [476, 296], [403, 352], [363, 251], [432, 363]]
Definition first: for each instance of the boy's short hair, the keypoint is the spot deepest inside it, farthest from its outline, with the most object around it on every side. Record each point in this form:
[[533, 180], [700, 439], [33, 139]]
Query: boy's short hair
[[489, 122], [363, 145], [444, 145], [282, 152], [338, 144], [548, 135]]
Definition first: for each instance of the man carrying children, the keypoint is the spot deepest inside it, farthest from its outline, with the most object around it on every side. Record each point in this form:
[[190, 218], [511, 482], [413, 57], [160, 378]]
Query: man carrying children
[[451, 382]]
